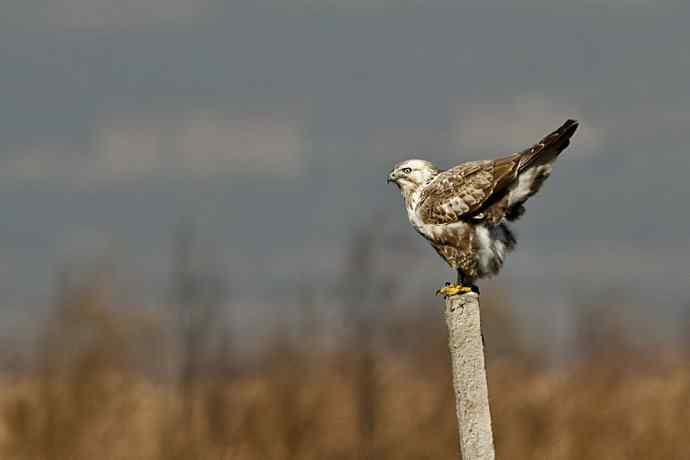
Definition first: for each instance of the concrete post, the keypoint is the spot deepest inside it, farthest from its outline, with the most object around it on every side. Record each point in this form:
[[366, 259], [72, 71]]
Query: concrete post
[[469, 377]]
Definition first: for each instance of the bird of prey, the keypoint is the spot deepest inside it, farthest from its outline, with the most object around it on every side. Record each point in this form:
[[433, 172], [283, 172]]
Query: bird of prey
[[464, 211]]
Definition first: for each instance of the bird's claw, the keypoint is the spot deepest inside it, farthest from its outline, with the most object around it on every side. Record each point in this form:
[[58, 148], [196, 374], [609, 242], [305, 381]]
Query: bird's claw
[[449, 290]]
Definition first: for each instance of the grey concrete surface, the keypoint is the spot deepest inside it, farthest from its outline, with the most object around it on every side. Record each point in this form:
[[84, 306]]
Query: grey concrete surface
[[469, 377]]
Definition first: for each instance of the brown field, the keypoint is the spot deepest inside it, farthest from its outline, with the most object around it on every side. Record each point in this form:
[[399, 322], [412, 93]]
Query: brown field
[[96, 390]]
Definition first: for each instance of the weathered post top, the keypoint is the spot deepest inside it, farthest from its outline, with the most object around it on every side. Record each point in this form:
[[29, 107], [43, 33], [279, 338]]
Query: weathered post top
[[469, 377]]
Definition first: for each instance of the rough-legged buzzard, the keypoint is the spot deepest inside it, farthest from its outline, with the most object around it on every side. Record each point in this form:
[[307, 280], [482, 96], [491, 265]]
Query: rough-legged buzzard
[[464, 211]]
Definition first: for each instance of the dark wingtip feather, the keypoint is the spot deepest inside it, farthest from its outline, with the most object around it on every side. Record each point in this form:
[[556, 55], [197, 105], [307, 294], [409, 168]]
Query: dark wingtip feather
[[550, 146], [568, 128], [560, 138]]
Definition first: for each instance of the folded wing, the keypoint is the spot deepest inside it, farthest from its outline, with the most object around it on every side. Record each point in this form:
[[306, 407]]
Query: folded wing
[[492, 190]]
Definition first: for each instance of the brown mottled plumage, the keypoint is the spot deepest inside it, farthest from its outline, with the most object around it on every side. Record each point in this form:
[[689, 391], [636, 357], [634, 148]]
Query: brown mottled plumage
[[464, 211]]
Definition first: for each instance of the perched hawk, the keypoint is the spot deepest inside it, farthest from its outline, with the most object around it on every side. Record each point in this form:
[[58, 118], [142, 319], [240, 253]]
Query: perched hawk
[[464, 211]]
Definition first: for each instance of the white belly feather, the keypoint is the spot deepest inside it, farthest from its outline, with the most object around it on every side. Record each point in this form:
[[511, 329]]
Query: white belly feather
[[490, 249]]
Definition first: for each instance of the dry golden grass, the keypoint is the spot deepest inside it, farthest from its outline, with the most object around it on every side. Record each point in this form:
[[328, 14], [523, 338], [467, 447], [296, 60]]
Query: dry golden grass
[[90, 395], [293, 410]]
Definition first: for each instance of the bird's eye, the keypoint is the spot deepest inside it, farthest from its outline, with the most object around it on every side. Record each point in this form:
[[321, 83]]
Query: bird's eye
[[407, 170]]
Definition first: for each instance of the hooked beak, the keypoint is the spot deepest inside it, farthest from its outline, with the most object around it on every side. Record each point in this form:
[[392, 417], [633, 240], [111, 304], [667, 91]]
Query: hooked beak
[[391, 177]]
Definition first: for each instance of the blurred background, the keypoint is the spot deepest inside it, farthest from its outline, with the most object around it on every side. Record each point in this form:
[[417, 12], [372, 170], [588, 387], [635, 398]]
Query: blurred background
[[200, 257]]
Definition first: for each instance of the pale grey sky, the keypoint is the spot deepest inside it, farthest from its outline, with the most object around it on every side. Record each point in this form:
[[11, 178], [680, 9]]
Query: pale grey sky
[[274, 124]]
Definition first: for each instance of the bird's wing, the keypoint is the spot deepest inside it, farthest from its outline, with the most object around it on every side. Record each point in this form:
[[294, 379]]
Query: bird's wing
[[465, 191], [546, 149], [457, 193]]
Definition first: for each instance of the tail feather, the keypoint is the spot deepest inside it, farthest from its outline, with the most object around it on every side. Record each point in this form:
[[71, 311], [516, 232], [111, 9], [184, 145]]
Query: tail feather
[[519, 176], [549, 147], [535, 167]]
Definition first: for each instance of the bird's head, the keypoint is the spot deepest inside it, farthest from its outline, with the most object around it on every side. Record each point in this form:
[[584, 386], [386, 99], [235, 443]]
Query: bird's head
[[410, 174]]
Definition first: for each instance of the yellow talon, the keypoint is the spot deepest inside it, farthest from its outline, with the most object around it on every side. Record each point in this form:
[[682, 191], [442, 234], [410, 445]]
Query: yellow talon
[[453, 289]]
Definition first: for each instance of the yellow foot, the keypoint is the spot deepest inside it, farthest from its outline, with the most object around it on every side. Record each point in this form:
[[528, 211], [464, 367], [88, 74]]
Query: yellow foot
[[449, 290]]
